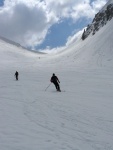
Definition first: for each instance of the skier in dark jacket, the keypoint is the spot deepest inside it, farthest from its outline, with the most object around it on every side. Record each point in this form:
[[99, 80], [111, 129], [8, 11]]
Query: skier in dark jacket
[[55, 81], [16, 75]]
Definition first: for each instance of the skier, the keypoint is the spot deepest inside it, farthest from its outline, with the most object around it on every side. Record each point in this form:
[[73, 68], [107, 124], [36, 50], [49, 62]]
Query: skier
[[16, 75], [55, 81]]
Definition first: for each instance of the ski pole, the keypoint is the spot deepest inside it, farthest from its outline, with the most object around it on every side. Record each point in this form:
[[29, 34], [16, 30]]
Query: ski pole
[[47, 87]]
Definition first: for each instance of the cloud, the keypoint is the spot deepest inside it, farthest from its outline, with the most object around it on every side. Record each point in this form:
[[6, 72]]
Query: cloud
[[96, 5], [70, 40], [28, 21], [25, 23]]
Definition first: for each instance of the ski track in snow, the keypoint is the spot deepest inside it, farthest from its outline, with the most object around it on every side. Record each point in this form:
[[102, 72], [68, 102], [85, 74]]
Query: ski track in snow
[[79, 119]]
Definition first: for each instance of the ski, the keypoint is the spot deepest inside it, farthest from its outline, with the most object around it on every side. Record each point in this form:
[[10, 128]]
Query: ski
[[61, 91]]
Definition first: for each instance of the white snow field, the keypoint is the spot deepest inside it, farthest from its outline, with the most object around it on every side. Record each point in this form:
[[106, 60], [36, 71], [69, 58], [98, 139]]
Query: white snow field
[[78, 118]]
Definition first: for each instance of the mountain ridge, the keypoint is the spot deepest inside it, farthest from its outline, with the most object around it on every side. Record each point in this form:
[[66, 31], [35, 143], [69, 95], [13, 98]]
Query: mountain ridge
[[100, 19]]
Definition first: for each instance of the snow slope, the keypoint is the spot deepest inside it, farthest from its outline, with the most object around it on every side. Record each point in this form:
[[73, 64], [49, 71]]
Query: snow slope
[[79, 118]]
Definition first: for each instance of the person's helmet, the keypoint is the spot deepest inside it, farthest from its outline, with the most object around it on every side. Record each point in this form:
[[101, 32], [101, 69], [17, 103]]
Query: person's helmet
[[53, 74]]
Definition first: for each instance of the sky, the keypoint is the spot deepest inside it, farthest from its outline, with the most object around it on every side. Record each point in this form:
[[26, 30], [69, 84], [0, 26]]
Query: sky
[[46, 24]]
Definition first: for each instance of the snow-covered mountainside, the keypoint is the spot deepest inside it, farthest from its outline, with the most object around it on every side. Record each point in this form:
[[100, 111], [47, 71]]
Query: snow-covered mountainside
[[11, 42], [78, 118], [100, 19], [16, 44]]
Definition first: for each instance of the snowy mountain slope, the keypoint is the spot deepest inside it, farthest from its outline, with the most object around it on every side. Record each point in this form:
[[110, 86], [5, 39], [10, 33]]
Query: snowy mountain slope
[[14, 44], [11, 42], [96, 50], [81, 118], [100, 20]]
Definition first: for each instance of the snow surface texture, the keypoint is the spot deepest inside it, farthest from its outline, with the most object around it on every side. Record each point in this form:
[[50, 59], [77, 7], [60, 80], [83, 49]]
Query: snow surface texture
[[81, 118]]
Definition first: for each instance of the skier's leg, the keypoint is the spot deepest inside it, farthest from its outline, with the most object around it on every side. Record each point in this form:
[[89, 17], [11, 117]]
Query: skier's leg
[[59, 87], [55, 86], [16, 77]]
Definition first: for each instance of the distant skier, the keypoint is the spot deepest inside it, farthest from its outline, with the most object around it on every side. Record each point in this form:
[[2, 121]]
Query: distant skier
[[55, 81], [16, 75]]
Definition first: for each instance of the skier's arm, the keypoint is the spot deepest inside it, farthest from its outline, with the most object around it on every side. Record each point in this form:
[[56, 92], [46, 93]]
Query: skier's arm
[[58, 80]]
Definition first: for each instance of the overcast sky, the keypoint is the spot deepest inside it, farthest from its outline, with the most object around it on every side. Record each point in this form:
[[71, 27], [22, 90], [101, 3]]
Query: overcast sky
[[41, 24]]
